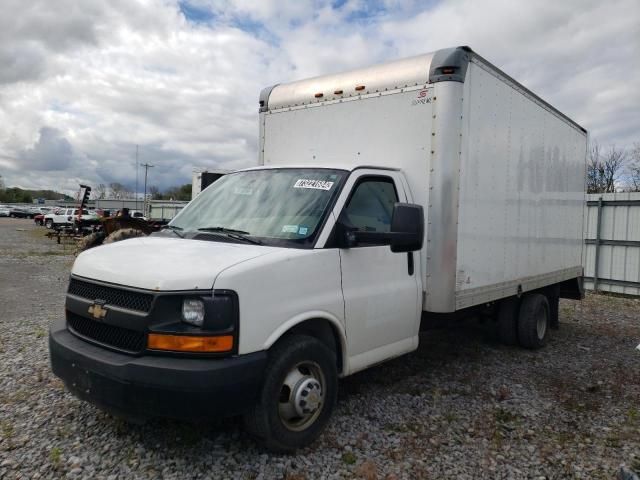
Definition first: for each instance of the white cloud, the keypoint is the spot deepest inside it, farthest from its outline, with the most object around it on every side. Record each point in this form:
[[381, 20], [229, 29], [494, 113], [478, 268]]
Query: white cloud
[[81, 83]]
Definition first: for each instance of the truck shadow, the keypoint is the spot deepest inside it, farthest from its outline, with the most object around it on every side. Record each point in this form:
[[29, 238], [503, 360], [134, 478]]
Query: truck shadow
[[443, 349]]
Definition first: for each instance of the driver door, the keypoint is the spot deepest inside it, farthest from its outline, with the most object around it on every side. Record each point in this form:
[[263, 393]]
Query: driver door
[[381, 290]]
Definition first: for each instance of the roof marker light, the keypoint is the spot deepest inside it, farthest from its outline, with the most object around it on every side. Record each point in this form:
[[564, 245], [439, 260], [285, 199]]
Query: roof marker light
[[359, 87], [319, 95], [338, 92]]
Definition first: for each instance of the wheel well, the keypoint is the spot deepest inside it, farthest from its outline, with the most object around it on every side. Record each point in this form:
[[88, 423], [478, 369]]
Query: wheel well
[[324, 331]]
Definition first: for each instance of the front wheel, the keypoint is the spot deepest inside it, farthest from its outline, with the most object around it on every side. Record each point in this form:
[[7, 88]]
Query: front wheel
[[298, 395], [49, 223]]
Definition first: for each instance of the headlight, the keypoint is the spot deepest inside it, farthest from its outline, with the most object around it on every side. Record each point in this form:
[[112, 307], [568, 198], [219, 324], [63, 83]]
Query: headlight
[[193, 311]]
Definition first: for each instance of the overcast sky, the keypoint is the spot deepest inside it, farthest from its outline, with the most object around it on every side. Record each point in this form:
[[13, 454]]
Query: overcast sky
[[83, 82]]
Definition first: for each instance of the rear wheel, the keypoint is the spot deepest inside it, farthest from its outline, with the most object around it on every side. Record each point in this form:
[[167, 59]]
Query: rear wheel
[[533, 321], [298, 394], [48, 223]]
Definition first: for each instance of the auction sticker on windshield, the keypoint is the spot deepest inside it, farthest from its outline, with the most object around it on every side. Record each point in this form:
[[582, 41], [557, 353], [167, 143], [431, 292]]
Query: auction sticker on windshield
[[315, 184]]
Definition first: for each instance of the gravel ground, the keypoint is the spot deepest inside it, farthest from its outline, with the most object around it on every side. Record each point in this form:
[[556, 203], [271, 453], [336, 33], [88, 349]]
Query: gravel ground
[[463, 406]]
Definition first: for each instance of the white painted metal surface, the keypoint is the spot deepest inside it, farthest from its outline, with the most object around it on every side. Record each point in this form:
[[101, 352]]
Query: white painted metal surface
[[167, 264], [620, 263], [280, 290], [521, 189]]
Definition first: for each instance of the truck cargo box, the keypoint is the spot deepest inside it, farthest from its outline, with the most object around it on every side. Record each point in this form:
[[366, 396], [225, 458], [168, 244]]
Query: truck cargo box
[[500, 172]]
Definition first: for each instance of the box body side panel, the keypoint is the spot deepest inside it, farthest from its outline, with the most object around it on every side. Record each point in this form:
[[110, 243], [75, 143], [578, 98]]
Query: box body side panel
[[521, 193]]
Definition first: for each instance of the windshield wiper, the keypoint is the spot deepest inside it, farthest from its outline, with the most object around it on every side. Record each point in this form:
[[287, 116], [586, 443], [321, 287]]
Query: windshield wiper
[[175, 230], [223, 230], [232, 233]]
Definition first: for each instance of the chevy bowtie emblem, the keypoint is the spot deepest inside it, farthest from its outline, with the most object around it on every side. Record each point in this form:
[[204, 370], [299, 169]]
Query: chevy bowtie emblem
[[97, 311]]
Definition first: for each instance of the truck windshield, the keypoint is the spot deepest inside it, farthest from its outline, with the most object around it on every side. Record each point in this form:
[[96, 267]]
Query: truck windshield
[[283, 207]]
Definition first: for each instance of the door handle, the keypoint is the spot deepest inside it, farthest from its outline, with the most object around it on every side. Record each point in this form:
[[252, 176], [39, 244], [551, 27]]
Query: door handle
[[410, 267]]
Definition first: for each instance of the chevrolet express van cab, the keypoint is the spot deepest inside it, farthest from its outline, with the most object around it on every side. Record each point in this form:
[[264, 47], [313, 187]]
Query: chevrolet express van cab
[[430, 187]]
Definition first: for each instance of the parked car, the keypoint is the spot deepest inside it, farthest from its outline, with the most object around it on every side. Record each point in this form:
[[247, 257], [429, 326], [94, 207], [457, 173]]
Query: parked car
[[137, 214], [40, 212], [65, 217], [5, 211], [19, 212]]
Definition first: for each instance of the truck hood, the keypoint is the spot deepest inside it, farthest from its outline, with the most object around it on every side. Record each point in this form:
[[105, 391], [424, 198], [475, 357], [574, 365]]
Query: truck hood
[[167, 264]]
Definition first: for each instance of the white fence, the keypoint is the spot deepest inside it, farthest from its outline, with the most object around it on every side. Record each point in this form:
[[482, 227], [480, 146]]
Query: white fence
[[611, 256], [164, 210]]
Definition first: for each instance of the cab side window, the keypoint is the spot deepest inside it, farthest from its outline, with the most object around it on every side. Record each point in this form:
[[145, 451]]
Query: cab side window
[[371, 205]]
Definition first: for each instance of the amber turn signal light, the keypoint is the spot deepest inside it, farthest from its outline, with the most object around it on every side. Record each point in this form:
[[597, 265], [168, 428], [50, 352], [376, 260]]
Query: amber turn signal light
[[190, 343]]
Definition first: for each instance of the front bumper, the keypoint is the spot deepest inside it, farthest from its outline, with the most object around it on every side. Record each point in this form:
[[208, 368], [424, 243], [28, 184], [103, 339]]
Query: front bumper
[[155, 386]]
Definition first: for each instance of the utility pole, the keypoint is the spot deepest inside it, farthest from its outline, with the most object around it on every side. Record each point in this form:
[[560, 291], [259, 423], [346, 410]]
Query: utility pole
[[136, 194], [146, 169]]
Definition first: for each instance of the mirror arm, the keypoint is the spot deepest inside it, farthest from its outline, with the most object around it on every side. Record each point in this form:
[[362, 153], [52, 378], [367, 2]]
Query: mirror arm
[[372, 237]]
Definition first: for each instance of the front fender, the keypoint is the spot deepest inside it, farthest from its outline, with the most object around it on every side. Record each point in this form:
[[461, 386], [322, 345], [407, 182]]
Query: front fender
[[313, 315]]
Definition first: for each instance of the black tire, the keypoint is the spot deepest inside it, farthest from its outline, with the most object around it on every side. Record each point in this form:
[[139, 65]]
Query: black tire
[[92, 240], [533, 321], [48, 223], [123, 234], [508, 311], [294, 355]]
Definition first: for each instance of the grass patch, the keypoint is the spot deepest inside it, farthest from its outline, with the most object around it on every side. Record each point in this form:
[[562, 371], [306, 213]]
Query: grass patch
[[7, 429], [450, 417], [504, 417], [581, 405], [349, 458], [55, 456], [39, 332]]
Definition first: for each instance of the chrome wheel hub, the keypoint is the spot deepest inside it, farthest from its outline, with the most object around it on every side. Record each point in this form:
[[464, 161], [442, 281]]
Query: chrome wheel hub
[[308, 396], [301, 396]]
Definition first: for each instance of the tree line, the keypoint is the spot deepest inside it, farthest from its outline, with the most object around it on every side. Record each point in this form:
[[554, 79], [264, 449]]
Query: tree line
[[19, 195], [118, 191], [613, 169]]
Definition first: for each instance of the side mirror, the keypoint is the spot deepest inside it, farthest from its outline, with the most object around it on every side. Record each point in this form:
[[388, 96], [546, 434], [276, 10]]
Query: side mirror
[[406, 233], [407, 227]]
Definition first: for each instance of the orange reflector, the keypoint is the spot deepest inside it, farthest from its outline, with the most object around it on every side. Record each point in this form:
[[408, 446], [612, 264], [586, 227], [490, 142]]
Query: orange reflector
[[318, 95], [190, 343], [359, 87], [448, 70], [338, 92]]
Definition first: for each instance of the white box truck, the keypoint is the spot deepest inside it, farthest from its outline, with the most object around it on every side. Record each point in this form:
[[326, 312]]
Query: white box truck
[[426, 188]]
